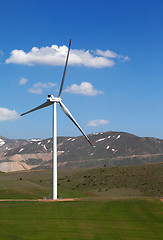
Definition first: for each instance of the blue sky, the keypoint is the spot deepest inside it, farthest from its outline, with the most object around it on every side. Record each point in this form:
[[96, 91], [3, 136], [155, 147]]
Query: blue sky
[[114, 77]]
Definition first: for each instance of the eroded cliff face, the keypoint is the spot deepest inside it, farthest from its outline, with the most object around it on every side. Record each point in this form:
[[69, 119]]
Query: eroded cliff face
[[18, 162]]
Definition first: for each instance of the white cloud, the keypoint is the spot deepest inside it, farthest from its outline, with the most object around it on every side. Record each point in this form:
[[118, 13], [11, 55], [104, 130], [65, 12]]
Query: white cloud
[[106, 53], [56, 55], [38, 88], [82, 57], [44, 85], [23, 81], [35, 90], [6, 114], [85, 88], [97, 122], [110, 54], [126, 59]]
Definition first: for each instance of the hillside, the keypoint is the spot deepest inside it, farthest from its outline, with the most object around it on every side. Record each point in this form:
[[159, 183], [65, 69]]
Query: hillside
[[126, 181], [109, 148]]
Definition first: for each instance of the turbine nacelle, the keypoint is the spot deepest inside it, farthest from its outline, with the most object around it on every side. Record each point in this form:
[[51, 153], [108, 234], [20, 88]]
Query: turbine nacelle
[[52, 99]]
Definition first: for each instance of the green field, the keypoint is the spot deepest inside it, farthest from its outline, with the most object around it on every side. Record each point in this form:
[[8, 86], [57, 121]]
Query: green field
[[116, 203], [129, 219]]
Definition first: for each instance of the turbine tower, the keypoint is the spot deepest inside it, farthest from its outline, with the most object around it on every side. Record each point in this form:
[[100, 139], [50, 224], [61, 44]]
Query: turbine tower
[[51, 100]]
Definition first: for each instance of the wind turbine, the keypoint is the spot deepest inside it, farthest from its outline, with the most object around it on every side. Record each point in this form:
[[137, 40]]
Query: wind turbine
[[51, 100]]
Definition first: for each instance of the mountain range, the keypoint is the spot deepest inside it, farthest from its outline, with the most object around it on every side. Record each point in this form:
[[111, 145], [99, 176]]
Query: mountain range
[[109, 149]]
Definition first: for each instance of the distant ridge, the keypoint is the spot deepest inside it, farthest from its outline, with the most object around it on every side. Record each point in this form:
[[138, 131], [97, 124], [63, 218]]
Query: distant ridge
[[3, 137], [109, 148]]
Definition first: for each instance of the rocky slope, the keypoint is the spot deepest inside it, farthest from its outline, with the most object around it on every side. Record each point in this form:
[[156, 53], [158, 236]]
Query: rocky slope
[[109, 148]]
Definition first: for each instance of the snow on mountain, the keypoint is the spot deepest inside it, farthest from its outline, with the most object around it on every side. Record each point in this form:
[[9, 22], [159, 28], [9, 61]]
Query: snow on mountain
[[101, 139], [2, 142], [109, 148]]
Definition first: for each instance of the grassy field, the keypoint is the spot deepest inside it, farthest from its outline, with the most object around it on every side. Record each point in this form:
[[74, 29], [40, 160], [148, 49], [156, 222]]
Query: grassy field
[[129, 219], [116, 203]]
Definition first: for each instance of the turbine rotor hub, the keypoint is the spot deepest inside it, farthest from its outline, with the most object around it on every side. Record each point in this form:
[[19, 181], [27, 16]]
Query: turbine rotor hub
[[51, 98]]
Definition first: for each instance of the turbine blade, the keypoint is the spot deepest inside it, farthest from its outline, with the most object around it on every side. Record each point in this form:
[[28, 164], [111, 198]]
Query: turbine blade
[[63, 78], [66, 111], [46, 104]]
